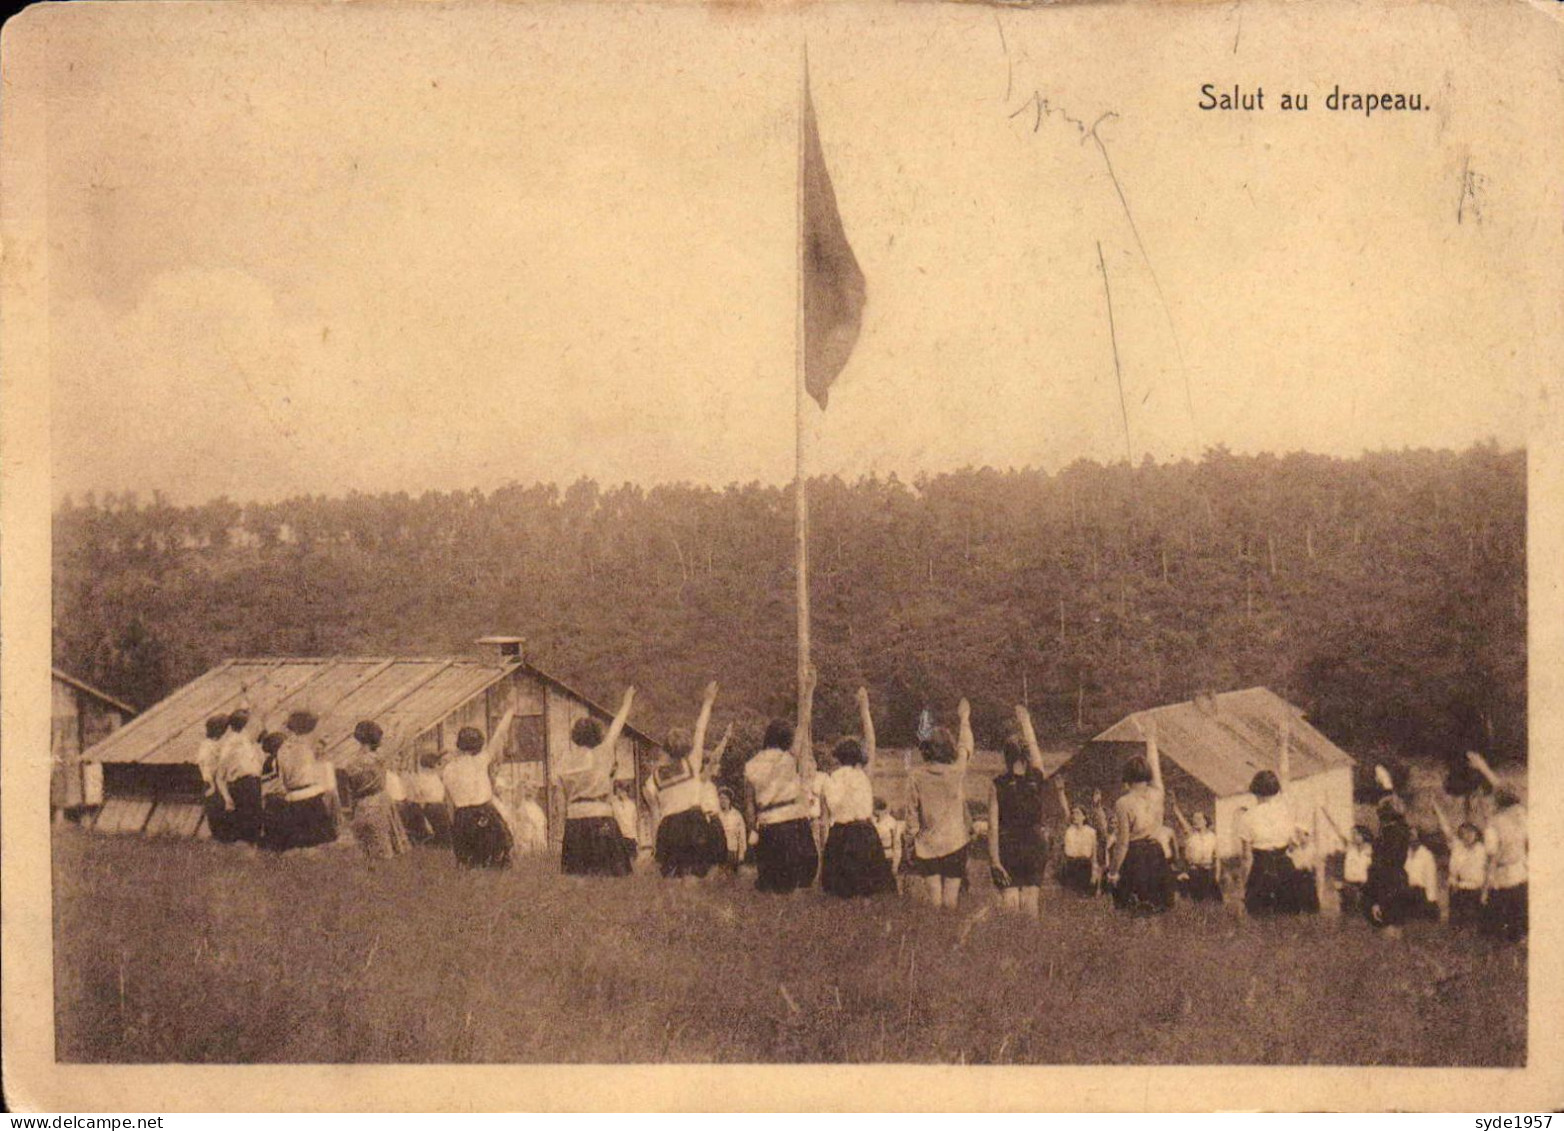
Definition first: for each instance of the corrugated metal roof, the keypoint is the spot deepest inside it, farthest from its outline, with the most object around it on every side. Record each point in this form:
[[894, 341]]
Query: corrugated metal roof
[[1224, 740], [406, 696], [117, 704]]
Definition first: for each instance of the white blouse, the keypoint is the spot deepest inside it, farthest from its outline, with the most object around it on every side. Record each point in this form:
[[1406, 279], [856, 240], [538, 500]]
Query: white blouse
[[466, 779], [1355, 865], [1269, 825], [773, 774], [848, 795], [1080, 842], [1422, 872], [1200, 848], [1468, 866]]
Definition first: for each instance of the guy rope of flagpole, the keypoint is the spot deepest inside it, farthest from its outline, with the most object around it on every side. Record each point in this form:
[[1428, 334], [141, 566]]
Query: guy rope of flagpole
[[801, 393]]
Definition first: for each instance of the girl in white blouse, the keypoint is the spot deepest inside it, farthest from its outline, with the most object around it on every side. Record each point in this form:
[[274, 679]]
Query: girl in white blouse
[[855, 862], [684, 848]]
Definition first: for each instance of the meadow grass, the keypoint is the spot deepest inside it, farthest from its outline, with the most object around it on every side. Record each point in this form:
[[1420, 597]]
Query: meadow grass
[[176, 951]]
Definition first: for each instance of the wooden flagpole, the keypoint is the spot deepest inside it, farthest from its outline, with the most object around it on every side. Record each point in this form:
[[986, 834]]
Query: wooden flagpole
[[800, 493]]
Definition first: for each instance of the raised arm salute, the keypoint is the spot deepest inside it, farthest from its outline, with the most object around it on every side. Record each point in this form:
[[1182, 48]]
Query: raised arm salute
[[684, 847], [937, 810], [1507, 916], [785, 855], [593, 844], [1016, 799], [1142, 881], [855, 864]]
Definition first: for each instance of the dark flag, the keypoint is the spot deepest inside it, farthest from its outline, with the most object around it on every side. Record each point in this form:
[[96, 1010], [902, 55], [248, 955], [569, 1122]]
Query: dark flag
[[832, 284]]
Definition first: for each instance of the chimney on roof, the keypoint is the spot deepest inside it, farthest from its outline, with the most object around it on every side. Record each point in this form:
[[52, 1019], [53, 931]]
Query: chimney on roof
[[509, 648]]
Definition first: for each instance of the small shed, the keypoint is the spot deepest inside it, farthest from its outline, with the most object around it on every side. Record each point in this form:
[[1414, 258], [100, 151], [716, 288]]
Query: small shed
[[151, 783], [1212, 746], [80, 715]]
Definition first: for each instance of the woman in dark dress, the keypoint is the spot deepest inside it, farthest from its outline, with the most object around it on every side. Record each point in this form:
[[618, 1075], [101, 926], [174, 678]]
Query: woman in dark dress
[[1017, 851], [1387, 898]]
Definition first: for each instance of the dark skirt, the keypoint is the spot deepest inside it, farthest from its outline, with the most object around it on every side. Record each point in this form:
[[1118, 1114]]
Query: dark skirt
[[219, 819], [1145, 880], [1275, 885], [593, 846], [785, 856], [716, 840], [1421, 907], [1076, 874], [1506, 914], [1388, 901], [302, 824], [951, 866], [1199, 886], [245, 820], [855, 862], [1466, 906], [1023, 856], [684, 844], [1351, 898], [480, 838], [273, 820]]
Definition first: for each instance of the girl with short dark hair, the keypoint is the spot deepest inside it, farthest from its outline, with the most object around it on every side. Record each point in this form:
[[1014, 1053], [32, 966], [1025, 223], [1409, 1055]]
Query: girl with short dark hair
[[776, 803], [1017, 851], [1139, 874], [593, 844], [855, 863], [480, 838], [937, 817]]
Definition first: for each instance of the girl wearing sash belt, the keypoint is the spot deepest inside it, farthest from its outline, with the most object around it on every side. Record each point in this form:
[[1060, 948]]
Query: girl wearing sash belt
[[776, 805], [593, 844]]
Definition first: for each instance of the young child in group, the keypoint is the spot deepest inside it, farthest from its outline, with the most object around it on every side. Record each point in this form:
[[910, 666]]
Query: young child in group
[[854, 862], [1201, 879], [593, 844], [1079, 872], [735, 837], [711, 802], [684, 841], [1017, 851], [937, 817], [1355, 869], [776, 807], [1422, 880], [891, 831], [1468, 871]]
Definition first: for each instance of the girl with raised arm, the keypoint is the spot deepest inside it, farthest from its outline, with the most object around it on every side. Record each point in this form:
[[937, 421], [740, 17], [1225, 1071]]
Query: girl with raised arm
[[1507, 845], [1139, 875], [1016, 798], [480, 838], [1468, 870], [1387, 900], [711, 801], [937, 817], [776, 808], [855, 863], [674, 792], [593, 844], [1271, 881], [1202, 877], [1079, 870]]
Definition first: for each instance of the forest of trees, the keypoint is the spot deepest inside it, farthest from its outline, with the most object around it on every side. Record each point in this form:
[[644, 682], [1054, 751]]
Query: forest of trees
[[1386, 595]]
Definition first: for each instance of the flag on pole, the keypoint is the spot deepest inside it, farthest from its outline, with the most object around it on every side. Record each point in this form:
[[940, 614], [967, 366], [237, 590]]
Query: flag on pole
[[832, 283]]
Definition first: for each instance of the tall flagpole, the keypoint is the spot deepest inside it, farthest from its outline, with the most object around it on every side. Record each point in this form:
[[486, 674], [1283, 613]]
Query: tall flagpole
[[800, 493]]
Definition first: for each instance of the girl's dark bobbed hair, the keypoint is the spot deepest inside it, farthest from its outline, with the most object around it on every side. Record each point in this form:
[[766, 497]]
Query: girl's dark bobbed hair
[[302, 722], [1265, 784], [239, 719], [368, 733], [469, 740], [939, 746], [272, 741], [587, 732], [1137, 770], [779, 735], [849, 752], [216, 726]]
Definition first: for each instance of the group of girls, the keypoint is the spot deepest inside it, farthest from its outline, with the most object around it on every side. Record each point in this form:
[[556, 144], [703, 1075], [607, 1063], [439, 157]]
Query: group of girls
[[277, 789]]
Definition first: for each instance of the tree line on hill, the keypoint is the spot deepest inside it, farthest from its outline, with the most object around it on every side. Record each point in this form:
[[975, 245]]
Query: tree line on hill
[[1386, 595]]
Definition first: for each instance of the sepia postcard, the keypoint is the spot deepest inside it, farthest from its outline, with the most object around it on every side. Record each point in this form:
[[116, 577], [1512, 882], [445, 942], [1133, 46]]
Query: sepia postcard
[[760, 556]]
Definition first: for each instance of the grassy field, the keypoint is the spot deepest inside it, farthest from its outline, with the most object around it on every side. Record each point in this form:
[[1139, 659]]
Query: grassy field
[[170, 951]]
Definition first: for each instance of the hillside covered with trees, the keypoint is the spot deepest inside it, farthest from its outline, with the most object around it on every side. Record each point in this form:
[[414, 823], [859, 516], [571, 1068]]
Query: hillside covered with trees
[[1386, 594]]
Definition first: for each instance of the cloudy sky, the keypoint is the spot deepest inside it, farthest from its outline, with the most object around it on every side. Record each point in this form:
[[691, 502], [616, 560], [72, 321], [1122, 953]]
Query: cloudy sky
[[299, 249]]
